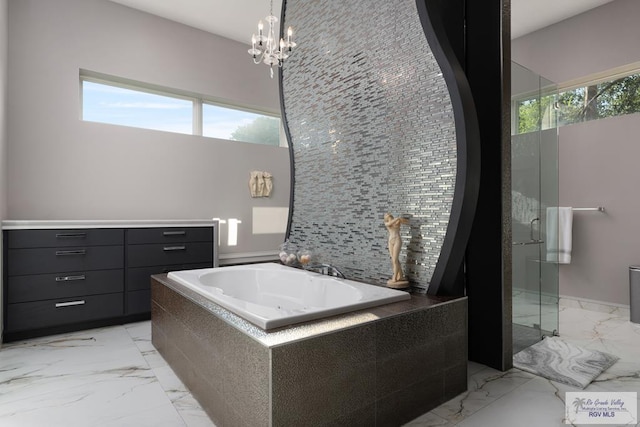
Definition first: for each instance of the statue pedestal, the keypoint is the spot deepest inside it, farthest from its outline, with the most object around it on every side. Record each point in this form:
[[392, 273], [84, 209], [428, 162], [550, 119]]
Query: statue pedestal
[[400, 284]]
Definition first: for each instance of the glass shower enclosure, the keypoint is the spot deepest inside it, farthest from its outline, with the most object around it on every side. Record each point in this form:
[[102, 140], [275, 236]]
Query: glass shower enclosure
[[534, 189]]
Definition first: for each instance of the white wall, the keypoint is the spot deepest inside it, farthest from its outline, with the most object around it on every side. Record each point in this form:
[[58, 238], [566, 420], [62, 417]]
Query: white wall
[[598, 159], [63, 168], [3, 128], [599, 167], [598, 40]]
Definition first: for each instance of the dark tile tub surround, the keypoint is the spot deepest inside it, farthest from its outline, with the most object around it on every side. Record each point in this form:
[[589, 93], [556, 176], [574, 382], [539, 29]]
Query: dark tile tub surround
[[377, 367]]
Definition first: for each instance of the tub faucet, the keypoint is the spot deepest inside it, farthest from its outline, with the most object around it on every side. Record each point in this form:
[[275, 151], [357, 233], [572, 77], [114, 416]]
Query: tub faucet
[[326, 269]]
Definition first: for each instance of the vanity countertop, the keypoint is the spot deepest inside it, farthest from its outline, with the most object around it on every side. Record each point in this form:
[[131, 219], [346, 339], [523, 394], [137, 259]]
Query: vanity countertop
[[98, 223]]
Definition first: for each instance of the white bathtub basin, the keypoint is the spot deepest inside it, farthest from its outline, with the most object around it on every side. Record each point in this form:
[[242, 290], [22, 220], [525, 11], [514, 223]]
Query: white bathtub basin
[[272, 295]]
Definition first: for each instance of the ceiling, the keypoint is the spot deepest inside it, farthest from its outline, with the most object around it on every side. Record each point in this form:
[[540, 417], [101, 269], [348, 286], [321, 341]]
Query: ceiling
[[237, 19], [233, 19], [528, 16]]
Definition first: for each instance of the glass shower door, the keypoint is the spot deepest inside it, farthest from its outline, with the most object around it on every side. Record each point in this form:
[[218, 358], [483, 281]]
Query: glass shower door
[[534, 189]]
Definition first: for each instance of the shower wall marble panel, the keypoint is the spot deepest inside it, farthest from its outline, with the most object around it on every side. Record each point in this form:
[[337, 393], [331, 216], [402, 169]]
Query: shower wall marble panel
[[372, 131]]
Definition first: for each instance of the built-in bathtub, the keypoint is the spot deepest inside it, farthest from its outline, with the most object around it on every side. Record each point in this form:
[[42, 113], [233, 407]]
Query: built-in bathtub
[[271, 295], [378, 366]]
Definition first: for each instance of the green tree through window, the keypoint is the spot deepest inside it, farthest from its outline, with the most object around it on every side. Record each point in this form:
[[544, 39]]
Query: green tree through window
[[262, 130], [596, 101], [535, 114]]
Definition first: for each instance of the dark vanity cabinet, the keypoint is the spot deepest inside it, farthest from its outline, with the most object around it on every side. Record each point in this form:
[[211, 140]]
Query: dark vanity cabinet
[[58, 280], [160, 250], [61, 277]]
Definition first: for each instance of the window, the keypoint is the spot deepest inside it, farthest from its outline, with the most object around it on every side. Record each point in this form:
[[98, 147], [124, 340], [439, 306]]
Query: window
[[119, 106], [138, 105], [596, 101], [536, 113], [591, 101], [225, 123]]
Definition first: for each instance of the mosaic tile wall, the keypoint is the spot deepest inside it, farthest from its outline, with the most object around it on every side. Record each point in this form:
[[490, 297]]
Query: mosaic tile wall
[[372, 131]]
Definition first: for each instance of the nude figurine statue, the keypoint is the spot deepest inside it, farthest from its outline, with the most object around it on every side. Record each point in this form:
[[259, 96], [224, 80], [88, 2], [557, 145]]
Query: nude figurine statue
[[395, 244]]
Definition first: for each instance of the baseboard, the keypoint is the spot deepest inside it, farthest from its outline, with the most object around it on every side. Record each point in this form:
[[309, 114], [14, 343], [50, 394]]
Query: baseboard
[[594, 305]]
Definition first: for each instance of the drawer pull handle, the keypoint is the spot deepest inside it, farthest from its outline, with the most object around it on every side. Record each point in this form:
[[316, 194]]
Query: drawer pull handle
[[174, 233], [71, 235], [70, 278], [174, 248], [74, 252], [69, 304]]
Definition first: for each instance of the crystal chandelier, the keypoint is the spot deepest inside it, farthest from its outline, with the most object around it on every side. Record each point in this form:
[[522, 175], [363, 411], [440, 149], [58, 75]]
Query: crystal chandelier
[[266, 48]]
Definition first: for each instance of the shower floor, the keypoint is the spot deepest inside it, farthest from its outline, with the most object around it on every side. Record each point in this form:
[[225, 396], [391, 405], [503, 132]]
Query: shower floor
[[526, 336]]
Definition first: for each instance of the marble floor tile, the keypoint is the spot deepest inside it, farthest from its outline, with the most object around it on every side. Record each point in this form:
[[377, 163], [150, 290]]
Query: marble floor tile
[[429, 420], [191, 412], [139, 330], [119, 401], [153, 358], [580, 324], [95, 377], [622, 340], [484, 387], [509, 399], [534, 404], [115, 377], [59, 362], [188, 408]]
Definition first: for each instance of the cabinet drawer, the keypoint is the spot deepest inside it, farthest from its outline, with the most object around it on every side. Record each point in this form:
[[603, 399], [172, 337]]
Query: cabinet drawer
[[169, 254], [138, 302], [139, 278], [64, 238], [137, 236], [41, 314], [57, 260], [51, 286]]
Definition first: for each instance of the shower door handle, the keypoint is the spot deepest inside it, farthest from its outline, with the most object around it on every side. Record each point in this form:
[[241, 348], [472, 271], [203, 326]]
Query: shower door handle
[[531, 227]]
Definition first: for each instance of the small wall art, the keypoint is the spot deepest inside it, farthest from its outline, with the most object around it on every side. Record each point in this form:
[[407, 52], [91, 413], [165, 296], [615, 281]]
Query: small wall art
[[260, 184]]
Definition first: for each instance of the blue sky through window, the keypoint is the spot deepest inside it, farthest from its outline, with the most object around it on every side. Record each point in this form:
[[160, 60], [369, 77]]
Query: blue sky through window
[[107, 103], [110, 104]]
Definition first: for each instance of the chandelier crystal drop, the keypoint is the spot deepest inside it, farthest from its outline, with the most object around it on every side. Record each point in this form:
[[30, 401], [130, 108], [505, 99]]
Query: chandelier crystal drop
[[266, 48]]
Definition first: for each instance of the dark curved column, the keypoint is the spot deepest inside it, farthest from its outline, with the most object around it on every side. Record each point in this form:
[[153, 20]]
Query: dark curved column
[[287, 133], [446, 280]]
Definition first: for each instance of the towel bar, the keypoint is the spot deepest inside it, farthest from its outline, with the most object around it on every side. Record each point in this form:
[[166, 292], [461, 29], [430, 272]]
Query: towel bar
[[599, 209]]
